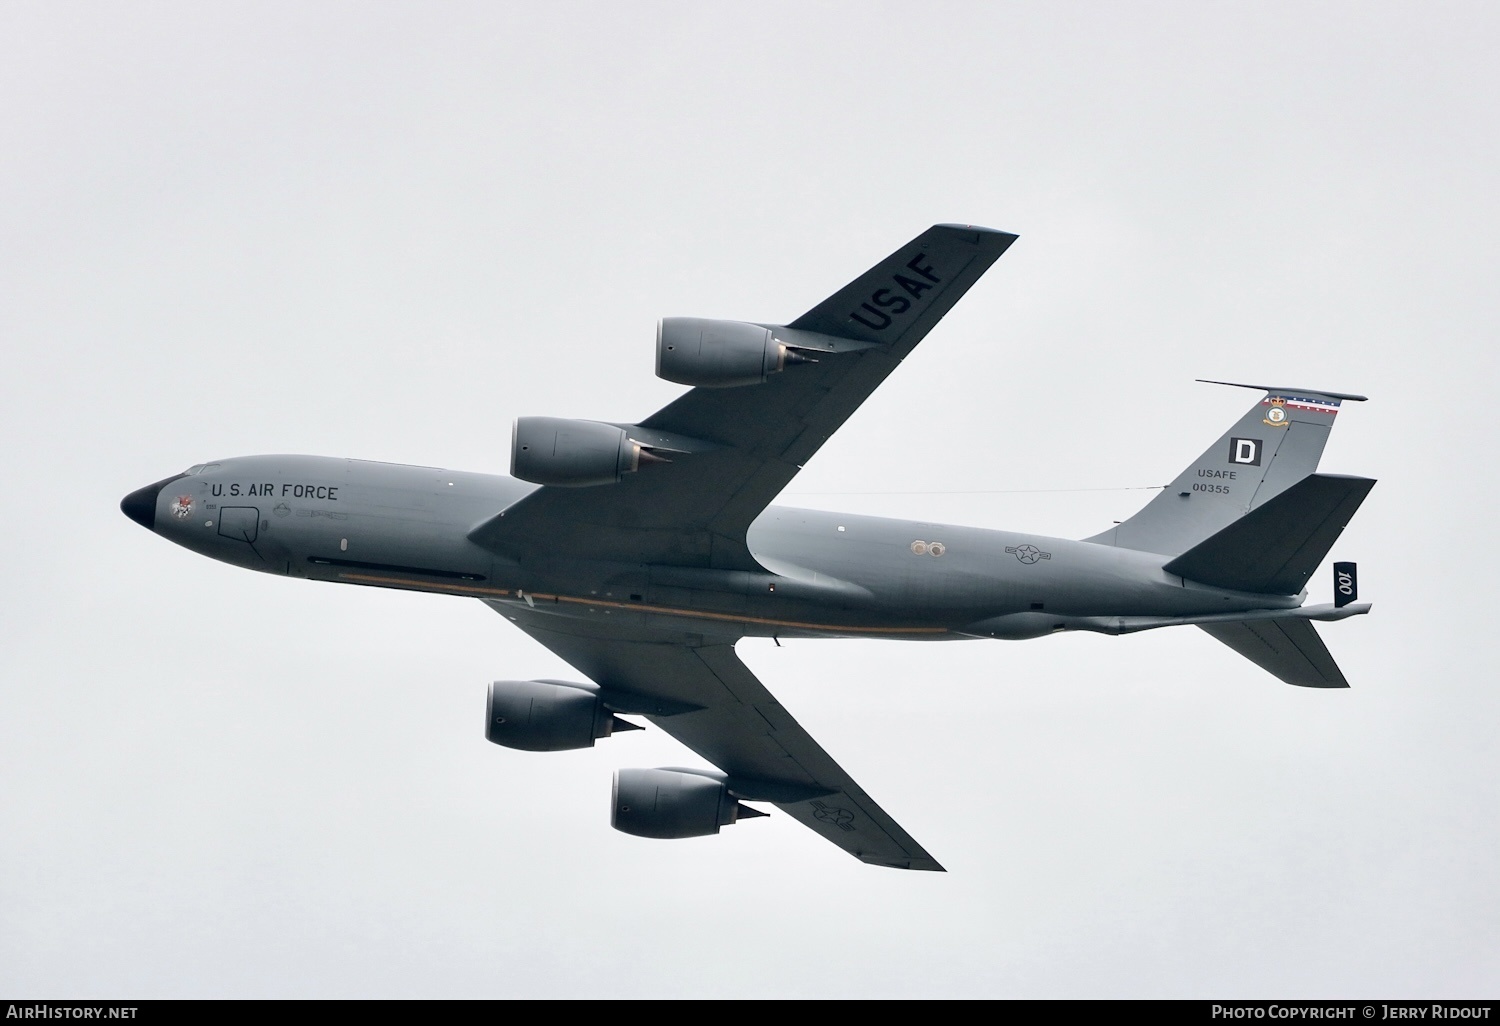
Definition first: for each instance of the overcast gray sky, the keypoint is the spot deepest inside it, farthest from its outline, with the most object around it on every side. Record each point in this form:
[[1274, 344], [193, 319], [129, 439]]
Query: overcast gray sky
[[385, 230]]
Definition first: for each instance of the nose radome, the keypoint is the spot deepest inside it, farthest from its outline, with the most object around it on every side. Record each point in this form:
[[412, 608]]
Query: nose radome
[[140, 505]]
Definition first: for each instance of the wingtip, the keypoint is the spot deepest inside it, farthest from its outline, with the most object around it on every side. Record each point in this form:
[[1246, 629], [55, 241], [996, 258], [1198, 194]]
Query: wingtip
[[978, 228], [928, 865]]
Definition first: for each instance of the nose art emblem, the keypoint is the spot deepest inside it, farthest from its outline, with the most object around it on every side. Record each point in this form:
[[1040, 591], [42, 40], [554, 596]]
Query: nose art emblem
[[183, 507]]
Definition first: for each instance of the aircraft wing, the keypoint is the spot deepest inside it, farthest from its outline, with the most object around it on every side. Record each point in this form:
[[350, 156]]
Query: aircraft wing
[[695, 510], [702, 695]]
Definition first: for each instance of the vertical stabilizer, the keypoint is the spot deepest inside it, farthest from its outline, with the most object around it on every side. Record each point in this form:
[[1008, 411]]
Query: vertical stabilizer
[[1272, 447]]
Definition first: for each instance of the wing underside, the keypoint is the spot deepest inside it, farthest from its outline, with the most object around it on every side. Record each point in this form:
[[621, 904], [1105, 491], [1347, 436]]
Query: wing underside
[[705, 697], [695, 509], [732, 450]]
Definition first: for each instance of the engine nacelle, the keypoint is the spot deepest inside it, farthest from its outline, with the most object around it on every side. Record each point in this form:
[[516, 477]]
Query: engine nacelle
[[546, 715], [572, 453], [672, 803], [718, 354]]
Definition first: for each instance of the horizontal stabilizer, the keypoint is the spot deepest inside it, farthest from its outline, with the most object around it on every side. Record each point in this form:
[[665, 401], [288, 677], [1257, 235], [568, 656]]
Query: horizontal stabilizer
[[1289, 649], [1275, 547]]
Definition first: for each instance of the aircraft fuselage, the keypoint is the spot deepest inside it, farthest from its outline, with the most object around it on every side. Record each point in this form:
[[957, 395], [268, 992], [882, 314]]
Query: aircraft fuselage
[[827, 574]]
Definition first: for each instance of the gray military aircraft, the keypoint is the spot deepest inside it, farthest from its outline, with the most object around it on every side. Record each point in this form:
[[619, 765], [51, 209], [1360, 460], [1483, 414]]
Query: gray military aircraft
[[641, 553]]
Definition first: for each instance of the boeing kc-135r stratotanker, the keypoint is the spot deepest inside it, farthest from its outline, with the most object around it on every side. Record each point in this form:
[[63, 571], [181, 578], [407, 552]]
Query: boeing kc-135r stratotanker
[[641, 553]]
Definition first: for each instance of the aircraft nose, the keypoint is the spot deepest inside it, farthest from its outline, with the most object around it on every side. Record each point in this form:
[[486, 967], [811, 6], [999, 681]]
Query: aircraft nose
[[140, 505]]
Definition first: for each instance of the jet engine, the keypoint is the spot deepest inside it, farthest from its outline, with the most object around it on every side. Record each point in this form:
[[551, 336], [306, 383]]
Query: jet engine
[[673, 802], [548, 715], [574, 453], [719, 354]]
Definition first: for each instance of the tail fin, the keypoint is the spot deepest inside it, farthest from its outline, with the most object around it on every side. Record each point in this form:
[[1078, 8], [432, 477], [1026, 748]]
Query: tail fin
[[1268, 450], [1289, 649]]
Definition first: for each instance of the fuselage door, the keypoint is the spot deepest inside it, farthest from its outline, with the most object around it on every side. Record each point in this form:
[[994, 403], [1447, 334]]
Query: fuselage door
[[241, 523]]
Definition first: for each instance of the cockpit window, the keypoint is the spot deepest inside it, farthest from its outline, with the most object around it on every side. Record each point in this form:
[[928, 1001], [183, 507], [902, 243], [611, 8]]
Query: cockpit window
[[201, 468]]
